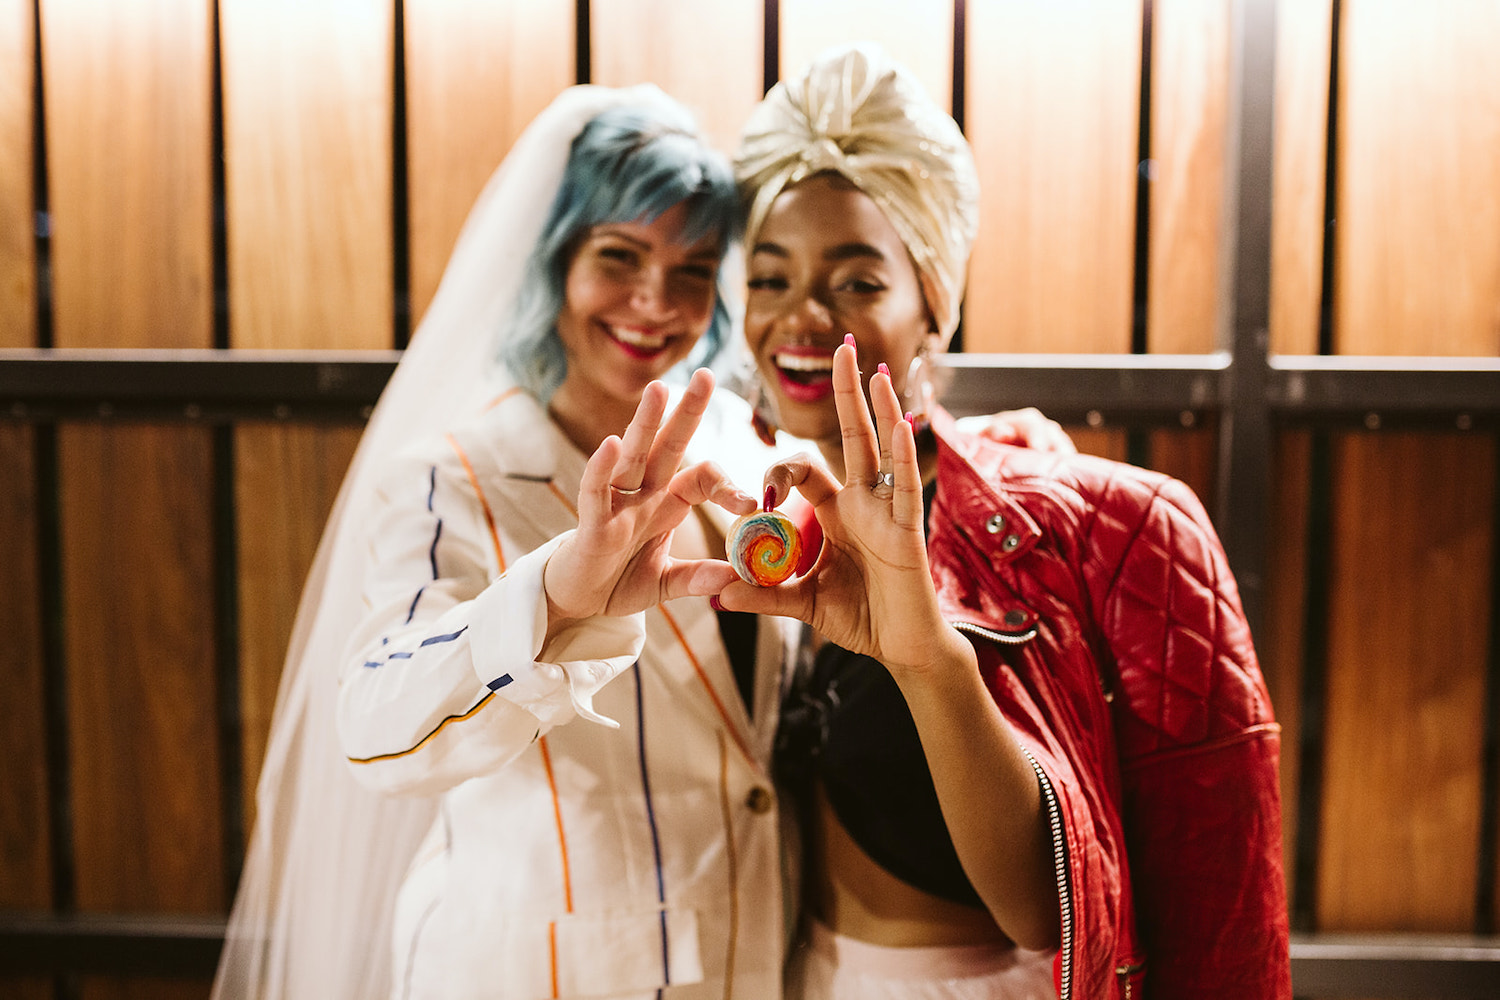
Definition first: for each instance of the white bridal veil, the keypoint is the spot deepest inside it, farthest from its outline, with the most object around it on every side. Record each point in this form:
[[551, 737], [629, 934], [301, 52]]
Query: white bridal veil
[[312, 918]]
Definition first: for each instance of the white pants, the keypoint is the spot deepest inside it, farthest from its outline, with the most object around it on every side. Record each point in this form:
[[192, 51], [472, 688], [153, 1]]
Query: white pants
[[829, 966]]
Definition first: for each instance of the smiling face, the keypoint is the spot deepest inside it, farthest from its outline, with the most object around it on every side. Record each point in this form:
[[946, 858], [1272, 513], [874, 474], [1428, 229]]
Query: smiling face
[[635, 302], [828, 262]]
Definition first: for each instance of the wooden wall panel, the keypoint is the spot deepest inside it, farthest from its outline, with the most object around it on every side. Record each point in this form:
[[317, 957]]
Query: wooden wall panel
[[128, 103], [1052, 105], [128, 100], [1406, 683], [25, 860], [477, 72], [1281, 642], [920, 36], [143, 725], [17, 246], [1418, 241], [307, 156], [141, 692], [308, 113], [709, 56], [308, 465], [1304, 53], [1417, 271], [1189, 132], [25, 825]]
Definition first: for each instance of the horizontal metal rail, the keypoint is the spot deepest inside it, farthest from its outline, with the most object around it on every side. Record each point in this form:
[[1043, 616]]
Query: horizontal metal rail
[[1367, 392], [1323, 965]]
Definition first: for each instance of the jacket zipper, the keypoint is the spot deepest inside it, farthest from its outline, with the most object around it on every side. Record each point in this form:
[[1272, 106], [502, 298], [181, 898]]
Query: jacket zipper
[[1003, 638], [1125, 972], [1054, 820], [1060, 871]]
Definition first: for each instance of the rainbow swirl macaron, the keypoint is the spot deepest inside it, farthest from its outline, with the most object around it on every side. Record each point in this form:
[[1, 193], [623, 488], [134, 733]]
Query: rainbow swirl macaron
[[764, 547]]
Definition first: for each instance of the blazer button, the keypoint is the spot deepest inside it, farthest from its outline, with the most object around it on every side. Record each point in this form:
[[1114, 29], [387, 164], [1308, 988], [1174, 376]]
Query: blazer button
[[759, 800]]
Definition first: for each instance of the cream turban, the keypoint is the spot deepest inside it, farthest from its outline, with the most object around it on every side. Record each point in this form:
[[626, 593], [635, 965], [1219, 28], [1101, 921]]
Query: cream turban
[[857, 112]]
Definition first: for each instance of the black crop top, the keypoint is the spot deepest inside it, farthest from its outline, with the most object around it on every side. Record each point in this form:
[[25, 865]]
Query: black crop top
[[846, 723]]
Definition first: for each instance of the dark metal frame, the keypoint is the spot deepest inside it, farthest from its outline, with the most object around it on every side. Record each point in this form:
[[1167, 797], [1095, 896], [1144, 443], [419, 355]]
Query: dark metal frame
[[1248, 391]]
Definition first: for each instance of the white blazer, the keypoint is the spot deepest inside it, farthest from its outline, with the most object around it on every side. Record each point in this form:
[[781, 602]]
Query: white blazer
[[569, 858]]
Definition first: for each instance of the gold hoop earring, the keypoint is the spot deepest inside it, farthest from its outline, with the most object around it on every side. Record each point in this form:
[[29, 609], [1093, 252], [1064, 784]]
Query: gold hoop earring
[[917, 393]]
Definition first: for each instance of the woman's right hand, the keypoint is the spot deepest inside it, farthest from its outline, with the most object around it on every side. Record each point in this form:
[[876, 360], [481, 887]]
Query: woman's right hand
[[631, 498]]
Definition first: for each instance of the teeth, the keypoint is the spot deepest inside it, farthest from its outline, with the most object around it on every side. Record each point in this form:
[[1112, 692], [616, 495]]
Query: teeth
[[637, 338], [805, 362]]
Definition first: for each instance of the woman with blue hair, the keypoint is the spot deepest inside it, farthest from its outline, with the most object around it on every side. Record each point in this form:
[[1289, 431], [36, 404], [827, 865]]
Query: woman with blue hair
[[502, 796]]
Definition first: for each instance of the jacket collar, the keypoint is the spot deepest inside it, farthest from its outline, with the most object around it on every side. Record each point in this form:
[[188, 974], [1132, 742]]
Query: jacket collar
[[977, 529]]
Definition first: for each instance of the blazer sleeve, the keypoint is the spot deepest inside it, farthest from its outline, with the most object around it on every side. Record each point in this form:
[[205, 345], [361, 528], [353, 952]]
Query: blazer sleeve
[[447, 676], [1198, 747]]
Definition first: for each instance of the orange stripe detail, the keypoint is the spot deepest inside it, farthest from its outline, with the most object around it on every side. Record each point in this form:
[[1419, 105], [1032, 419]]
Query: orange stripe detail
[[489, 517], [552, 943], [563, 497], [733, 858], [562, 839], [423, 741], [703, 677], [500, 398]]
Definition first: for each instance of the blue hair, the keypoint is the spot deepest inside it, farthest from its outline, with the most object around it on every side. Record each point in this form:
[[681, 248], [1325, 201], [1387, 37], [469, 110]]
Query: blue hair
[[630, 163]]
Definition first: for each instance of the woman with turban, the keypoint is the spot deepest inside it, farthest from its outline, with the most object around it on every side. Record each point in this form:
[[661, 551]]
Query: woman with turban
[[1035, 753]]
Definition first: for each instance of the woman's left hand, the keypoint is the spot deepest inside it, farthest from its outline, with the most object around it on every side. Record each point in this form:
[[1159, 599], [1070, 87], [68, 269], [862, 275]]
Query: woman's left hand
[[632, 497], [870, 590]]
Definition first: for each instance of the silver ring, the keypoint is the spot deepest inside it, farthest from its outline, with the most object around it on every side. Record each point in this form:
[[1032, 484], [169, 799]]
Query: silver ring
[[624, 492], [887, 479]]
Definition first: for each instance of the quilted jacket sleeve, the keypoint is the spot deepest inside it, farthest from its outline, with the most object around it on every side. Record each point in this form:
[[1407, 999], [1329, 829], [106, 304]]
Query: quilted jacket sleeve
[[1198, 744]]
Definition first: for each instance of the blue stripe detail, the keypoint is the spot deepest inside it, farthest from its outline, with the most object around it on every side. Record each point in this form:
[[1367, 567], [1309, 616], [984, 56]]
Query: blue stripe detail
[[499, 682], [437, 533], [431, 485], [433, 640], [661, 890], [411, 612]]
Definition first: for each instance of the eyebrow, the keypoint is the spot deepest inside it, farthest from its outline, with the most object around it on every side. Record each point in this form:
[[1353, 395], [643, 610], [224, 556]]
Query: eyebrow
[[841, 252], [709, 251]]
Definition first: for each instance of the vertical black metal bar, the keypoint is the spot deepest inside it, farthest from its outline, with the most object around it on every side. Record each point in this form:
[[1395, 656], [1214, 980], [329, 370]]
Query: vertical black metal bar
[[400, 188], [960, 100], [771, 54], [1145, 174], [1138, 442], [225, 557], [1314, 687], [1487, 868], [1245, 429], [227, 657], [49, 544], [1330, 191], [960, 60], [583, 52]]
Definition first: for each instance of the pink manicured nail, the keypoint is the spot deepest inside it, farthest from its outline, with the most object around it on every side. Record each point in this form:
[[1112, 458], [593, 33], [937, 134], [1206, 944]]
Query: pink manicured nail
[[849, 339], [911, 418], [713, 602], [883, 369], [769, 503]]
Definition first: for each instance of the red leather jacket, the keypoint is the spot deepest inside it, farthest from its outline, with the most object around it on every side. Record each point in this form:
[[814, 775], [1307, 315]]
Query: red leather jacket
[[1110, 633]]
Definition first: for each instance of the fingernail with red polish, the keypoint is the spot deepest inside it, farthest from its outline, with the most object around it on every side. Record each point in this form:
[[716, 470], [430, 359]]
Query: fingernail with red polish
[[883, 369], [911, 418], [769, 503], [849, 339], [713, 602]]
